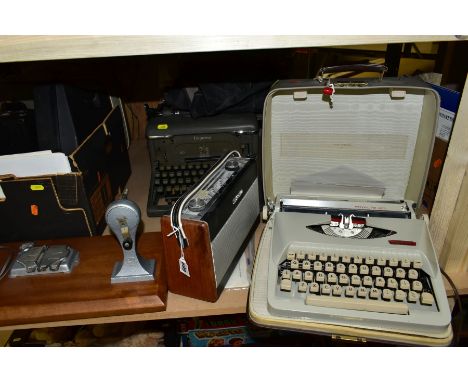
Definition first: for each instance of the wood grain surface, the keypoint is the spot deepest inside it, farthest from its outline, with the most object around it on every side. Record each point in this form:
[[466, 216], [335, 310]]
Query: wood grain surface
[[448, 217], [87, 291], [202, 282], [31, 48]]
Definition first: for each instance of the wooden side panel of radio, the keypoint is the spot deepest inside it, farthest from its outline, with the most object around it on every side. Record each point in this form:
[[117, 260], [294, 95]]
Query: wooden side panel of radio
[[199, 257]]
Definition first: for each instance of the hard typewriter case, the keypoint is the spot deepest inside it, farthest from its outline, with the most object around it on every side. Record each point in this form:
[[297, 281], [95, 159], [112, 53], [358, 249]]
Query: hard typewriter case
[[378, 129], [384, 129]]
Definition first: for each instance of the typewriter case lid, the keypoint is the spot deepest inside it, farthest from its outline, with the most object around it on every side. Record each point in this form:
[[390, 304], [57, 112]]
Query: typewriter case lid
[[378, 132]]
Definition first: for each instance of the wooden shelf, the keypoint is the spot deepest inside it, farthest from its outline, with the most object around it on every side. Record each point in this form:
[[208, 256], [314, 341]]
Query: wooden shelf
[[34, 48], [87, 291], [231, 301]]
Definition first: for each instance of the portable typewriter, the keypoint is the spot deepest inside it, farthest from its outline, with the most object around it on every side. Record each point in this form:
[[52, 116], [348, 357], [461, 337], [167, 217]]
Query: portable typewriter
[[343, 252], [182, 150]]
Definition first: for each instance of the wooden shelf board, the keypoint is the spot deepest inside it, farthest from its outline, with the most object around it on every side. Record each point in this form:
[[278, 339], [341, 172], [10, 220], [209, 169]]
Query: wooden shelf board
[[34, 48], [231, 301], [87, 291]]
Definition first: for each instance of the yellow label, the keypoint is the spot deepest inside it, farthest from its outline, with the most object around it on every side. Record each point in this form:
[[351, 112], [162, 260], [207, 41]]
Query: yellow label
[[37, 187], [162, 126]]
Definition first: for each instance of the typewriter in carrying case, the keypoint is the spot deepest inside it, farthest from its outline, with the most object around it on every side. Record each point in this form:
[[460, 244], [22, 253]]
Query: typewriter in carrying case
[[343, 251]]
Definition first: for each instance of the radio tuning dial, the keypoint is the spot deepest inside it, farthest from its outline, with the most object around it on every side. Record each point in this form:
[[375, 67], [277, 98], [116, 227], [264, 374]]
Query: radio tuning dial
[[232, 164], [196, 204]]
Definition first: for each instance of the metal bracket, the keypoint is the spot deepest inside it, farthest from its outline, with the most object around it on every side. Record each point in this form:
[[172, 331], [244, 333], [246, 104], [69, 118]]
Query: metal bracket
[[123, 218]]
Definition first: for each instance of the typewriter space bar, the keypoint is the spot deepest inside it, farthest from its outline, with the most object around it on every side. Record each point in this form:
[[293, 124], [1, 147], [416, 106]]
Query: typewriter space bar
[[355, 304]]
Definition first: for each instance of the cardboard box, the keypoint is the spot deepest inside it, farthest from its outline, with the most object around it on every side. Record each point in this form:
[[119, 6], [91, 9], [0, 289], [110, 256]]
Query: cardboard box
[[227, 331], [45, 207], [435, 171], [104, 152], [74, 204], [449, 100]]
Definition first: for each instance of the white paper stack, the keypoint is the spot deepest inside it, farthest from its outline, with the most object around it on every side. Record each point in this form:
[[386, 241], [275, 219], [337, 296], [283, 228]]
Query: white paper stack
[[34, 164]]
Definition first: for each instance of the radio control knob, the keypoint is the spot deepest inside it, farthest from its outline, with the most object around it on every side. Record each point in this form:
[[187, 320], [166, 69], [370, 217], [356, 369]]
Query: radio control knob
[[232, 164], [196, 204]]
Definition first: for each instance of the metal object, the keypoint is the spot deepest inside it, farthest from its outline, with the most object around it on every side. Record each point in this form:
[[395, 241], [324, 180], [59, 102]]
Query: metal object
[[229, 219], [123, 218], [352, 68], [382, 208], [42, 260]]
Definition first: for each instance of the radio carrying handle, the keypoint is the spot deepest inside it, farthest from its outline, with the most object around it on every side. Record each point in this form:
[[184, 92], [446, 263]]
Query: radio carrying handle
[[374, 68]]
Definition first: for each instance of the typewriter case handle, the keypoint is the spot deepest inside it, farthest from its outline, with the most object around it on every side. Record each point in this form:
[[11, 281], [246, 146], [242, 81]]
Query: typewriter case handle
[[374, 68]]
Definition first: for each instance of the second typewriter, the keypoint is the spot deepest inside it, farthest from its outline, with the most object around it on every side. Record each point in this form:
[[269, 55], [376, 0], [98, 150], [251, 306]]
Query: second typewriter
[[182, 150], [344, 251]]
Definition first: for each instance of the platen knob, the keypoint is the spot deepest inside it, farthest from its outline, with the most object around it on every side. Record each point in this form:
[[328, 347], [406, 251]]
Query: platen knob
[[196, 204], [232, 164]]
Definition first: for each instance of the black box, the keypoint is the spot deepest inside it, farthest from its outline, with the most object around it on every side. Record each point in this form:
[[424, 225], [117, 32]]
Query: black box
[[66, 115], [55, 206], [17, 129]]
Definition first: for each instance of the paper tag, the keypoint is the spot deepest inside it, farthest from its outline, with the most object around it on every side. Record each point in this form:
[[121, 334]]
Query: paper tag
[[183, 267], [444, 128]]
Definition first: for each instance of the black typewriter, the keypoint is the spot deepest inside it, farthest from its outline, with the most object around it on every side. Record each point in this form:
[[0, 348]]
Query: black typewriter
[[182, 149]]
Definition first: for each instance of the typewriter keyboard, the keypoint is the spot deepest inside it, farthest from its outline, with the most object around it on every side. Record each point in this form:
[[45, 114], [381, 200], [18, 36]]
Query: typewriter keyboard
[[385, 284], [169, 182]]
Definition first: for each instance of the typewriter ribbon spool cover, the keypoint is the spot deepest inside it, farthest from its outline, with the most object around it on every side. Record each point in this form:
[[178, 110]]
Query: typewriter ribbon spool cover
[[343, 251]]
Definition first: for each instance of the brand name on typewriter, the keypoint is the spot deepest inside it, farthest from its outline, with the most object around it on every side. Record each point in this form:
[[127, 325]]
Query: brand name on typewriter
[[236, 198], [201, 138]]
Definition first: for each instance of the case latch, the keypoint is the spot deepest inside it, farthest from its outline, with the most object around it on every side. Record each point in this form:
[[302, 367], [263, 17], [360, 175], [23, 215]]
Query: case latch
[[337, 337], [268, 210], [397, 93], [300, 95]]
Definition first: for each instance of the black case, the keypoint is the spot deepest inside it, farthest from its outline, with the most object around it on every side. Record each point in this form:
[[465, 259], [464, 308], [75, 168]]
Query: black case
[[17, 129], [66, 115]]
